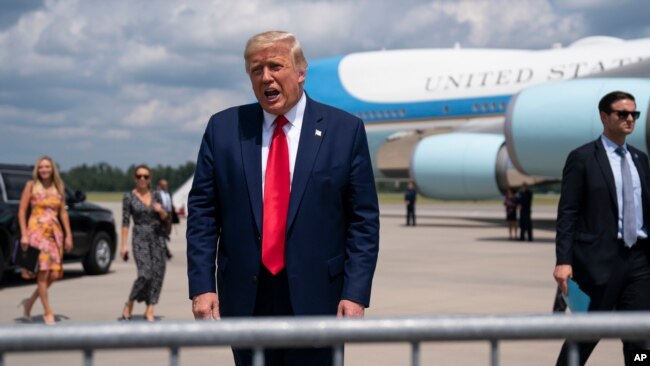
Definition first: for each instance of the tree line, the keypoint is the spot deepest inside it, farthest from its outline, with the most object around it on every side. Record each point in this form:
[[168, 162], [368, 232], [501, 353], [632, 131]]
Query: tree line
[[103, 177]]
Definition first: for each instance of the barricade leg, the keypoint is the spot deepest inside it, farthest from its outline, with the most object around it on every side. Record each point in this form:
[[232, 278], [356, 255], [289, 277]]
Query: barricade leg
[[88, 357], [415, 354], [173, 356], [258, 356], [494, 352], [337, 360]]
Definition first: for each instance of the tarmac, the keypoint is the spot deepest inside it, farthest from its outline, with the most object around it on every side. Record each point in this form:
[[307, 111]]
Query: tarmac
[[457, 260]]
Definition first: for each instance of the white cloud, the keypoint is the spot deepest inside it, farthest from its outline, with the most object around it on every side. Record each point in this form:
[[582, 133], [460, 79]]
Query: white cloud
[[118, 134], [18, 48], [70, 132], [83, 145], [143, 115], [587, 4], [11, 115], [108, 73], [139, 56]]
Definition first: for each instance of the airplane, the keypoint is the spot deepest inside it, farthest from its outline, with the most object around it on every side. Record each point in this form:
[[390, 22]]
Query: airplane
[[466, 124], [469, 123]]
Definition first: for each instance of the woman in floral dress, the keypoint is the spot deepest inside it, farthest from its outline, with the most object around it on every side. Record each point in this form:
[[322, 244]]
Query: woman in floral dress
[[44, 195], [149, 217]]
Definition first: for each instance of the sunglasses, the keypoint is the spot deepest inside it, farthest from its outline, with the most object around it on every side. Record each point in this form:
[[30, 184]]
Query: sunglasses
[[624, 114], [142, 176]]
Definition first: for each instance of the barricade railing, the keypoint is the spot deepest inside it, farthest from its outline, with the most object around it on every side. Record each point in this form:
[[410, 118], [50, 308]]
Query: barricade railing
[[260, 333]]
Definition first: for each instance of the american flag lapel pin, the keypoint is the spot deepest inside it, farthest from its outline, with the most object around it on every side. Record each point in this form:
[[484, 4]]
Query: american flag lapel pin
[[318, 133]]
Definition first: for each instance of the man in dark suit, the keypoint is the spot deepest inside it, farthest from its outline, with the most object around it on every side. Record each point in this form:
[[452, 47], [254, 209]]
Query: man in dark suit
[[284, 200], [603, 220], [409, 199], [525, 202]]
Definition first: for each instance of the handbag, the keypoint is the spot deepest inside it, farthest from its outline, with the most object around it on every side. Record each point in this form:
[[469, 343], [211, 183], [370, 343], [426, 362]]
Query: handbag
[[175, 218], [27, 259]]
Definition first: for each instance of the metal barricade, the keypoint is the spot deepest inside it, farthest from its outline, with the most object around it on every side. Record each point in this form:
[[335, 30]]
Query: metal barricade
[[258, 333]]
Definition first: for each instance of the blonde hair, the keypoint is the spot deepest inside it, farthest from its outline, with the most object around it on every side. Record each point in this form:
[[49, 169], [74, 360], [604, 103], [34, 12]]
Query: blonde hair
[[56, 178], [267, 39]]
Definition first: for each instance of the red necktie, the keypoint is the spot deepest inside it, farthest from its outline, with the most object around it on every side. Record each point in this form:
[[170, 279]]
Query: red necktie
[[276, 200]]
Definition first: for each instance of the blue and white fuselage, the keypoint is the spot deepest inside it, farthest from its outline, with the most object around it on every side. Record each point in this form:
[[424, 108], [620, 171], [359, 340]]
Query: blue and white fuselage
[[463, 97]]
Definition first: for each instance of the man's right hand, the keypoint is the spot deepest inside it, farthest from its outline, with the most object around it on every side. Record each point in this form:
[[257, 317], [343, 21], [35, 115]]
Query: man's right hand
[[562, 273], [206, 306]]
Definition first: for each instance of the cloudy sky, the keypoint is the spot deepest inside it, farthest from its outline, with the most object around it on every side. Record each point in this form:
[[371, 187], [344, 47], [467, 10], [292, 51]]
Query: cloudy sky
[[126, 81]]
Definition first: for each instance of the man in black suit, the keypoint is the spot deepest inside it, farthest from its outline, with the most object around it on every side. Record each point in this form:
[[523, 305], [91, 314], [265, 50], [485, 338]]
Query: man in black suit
[[409, 200], [602, 224], [525, 201]]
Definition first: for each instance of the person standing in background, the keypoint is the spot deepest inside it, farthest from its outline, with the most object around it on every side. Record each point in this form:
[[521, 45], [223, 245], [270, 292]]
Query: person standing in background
[[510, 203], [44, 194], [163, 191], [149, 218], [525, 201], [409, 200]]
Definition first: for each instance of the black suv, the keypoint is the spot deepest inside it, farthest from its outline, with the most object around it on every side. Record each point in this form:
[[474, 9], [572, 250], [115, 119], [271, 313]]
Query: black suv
[[93, 227]]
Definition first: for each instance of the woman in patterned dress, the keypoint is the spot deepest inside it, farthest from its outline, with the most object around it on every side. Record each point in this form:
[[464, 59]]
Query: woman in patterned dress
[[145, 207], [510, 202], [45, 196]]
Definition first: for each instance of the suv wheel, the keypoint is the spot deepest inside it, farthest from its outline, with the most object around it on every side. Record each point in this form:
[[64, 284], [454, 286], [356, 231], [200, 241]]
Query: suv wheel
[[98, 260]]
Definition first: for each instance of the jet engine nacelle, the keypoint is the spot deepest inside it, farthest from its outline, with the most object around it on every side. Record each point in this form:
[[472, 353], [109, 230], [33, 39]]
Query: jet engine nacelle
[[460, 165], [544, 123]]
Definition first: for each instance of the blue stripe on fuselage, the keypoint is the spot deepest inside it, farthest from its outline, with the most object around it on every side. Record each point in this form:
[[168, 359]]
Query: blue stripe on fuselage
[[323, 84]]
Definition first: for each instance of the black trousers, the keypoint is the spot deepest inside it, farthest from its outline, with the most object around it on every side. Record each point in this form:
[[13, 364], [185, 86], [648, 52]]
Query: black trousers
[[627, 290], [273, 300], [525, 225], [410, 214]]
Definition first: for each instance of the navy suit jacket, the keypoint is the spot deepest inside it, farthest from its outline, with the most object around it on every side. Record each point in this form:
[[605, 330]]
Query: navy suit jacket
[[332, 238], [587, 221]]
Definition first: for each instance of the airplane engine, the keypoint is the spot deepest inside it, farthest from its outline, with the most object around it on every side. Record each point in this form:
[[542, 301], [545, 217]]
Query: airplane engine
[[460, 166], [544, 123]]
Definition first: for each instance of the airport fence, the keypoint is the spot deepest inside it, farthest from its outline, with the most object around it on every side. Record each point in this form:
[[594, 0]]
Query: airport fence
[[260, 333]]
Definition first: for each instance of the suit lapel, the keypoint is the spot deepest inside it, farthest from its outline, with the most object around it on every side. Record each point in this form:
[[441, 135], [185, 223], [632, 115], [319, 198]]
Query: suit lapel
[[310, 141], [250, 127], [642, 170], [606, 169]]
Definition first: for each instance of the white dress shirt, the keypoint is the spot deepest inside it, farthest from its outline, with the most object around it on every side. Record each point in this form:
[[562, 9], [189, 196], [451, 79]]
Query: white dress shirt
[[166, 200], [291, 130], [615, 163]]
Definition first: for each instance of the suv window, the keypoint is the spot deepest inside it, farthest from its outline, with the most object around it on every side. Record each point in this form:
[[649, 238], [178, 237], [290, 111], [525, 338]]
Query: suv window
[[14, 183]]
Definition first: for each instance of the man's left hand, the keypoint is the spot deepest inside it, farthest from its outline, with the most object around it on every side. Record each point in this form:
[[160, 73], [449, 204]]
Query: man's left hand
[[350, 309]]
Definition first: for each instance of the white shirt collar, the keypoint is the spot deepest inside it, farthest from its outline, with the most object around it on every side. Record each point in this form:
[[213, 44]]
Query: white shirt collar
[[294, 115], [610, 145]]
